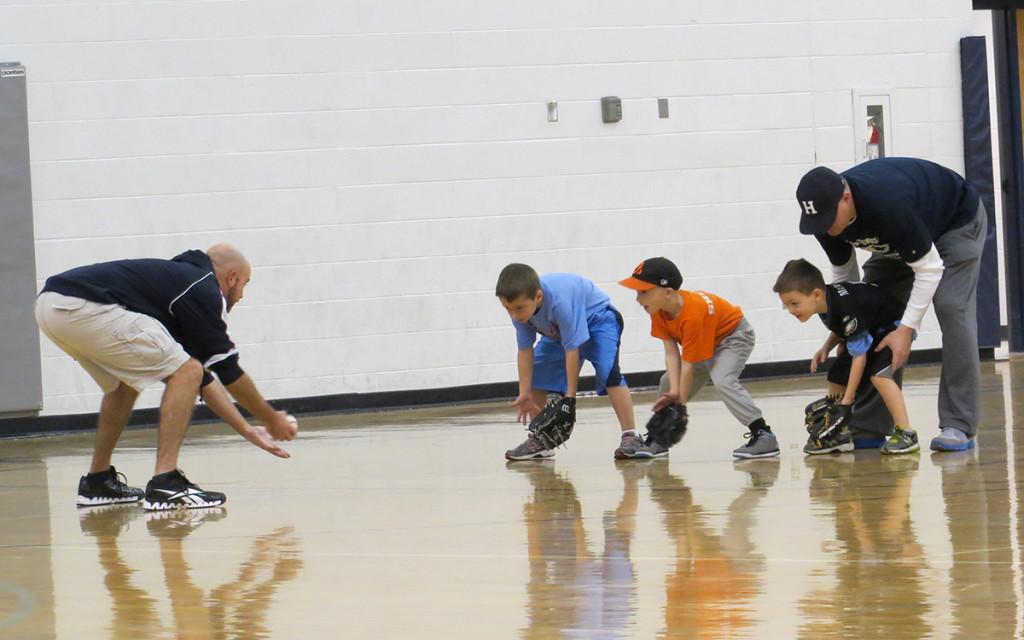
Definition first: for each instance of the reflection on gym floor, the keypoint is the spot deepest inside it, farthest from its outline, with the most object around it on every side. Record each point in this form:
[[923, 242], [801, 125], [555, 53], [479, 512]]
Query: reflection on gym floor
[[411, 524], [233, 609]]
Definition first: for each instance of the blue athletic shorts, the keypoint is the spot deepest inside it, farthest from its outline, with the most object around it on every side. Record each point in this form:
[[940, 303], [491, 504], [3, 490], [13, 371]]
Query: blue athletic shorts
[[601, 350]]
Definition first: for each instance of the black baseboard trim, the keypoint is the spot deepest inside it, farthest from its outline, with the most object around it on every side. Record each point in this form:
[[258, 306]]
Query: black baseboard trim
[[385, 400]]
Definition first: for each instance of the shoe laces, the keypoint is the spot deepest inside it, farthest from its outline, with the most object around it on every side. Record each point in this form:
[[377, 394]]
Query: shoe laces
[[902, 433], [953, 433], [532, 443], [188, 483], [119, 480]]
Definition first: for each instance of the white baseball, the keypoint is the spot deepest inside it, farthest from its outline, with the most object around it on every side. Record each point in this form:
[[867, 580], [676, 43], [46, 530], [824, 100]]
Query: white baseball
[[291, 420]]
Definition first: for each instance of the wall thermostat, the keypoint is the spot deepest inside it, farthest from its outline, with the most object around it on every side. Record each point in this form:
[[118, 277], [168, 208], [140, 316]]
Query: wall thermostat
[[611, 109]]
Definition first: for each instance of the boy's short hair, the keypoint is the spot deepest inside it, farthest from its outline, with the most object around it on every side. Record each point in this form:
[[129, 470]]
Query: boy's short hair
[[799, 275], [517, 280]]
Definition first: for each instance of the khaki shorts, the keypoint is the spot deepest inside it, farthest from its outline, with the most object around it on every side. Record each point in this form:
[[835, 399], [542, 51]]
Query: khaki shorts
[[111, 343]]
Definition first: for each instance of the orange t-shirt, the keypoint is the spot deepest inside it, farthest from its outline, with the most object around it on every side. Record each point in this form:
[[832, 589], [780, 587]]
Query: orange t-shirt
[[704, 321]]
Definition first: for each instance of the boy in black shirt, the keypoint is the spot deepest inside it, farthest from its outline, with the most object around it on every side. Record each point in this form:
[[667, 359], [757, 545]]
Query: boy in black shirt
[[859, 316]]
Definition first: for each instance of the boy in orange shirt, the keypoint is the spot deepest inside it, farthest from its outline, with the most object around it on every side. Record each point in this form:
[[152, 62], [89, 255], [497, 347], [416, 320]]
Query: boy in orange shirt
[[715, 340]]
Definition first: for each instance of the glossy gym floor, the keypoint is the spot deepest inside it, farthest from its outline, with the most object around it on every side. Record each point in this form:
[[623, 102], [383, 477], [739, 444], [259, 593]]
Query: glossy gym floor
[[411, 525]]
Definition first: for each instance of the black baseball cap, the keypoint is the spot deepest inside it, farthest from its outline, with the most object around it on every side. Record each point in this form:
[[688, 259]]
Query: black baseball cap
[[654, 272], [818, 193]]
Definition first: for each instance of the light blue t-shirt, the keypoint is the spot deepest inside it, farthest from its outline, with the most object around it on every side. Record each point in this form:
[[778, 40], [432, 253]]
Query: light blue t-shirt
[[569, 300], [859, 343]]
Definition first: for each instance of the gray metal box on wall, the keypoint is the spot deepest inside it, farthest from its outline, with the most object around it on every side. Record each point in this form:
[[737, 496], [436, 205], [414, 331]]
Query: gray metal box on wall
[[20, 377]]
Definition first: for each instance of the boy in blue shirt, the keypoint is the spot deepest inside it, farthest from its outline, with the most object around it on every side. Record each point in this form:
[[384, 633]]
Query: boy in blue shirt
[[576, 322]]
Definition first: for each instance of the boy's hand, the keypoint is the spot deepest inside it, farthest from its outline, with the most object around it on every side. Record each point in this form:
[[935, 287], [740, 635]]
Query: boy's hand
[[819, 358], [528, 409], [665, 400]]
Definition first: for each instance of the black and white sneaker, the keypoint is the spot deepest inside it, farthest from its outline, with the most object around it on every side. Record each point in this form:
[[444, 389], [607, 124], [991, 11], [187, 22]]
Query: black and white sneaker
[[106, 487], [106, 522], [179, 523], [172, 490]]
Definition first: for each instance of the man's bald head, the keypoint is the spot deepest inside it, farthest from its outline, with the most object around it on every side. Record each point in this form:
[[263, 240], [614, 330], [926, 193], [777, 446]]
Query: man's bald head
[[232, 270], [224, 256]]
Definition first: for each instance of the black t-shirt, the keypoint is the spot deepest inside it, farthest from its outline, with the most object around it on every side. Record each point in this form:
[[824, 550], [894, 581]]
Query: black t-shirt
[[903, 205], [181, 293], [856, 309]]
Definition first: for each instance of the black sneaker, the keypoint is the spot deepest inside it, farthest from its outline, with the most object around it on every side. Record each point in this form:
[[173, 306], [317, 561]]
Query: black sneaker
[[839, 441], [106, 487], [107, 521], [172, 490]]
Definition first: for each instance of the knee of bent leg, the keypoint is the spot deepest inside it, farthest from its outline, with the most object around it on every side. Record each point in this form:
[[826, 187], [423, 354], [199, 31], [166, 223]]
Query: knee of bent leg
[[729, 380], [946, 306], [190, 373], [881, 383], [124, 391]]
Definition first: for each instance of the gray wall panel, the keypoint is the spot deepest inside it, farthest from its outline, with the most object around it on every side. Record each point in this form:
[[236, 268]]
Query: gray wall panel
[[20, 378]]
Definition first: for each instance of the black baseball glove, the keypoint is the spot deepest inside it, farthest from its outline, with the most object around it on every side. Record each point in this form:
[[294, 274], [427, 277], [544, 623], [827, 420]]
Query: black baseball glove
[[838, 419], [816, 413], [667, 426], [553, 425]]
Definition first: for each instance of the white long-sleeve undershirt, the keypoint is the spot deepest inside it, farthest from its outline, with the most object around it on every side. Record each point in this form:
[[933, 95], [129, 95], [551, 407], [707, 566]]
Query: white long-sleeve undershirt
[[927, 274]]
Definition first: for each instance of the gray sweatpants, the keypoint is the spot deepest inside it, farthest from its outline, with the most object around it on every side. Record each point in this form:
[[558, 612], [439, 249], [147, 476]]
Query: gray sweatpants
[[723, 369], [955, 304]]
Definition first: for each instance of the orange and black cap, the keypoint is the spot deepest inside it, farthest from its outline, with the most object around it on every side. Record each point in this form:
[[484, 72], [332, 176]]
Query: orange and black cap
[[654, 272]]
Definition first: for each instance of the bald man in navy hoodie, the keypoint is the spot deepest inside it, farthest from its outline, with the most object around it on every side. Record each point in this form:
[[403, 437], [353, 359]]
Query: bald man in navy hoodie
[[132, 323]]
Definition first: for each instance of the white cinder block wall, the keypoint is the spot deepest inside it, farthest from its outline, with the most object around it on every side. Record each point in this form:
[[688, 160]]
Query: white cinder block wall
[[381, 160]]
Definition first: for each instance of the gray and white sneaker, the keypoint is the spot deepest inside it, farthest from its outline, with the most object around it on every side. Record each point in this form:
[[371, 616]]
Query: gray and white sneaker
[[530, 449], [761, 443], [632, 446], [901, 440], [655, 450]]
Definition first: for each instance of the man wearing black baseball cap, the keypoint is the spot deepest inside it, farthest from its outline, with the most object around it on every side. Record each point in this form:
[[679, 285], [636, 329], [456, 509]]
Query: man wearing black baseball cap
[[925, 226], [820, 193]]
